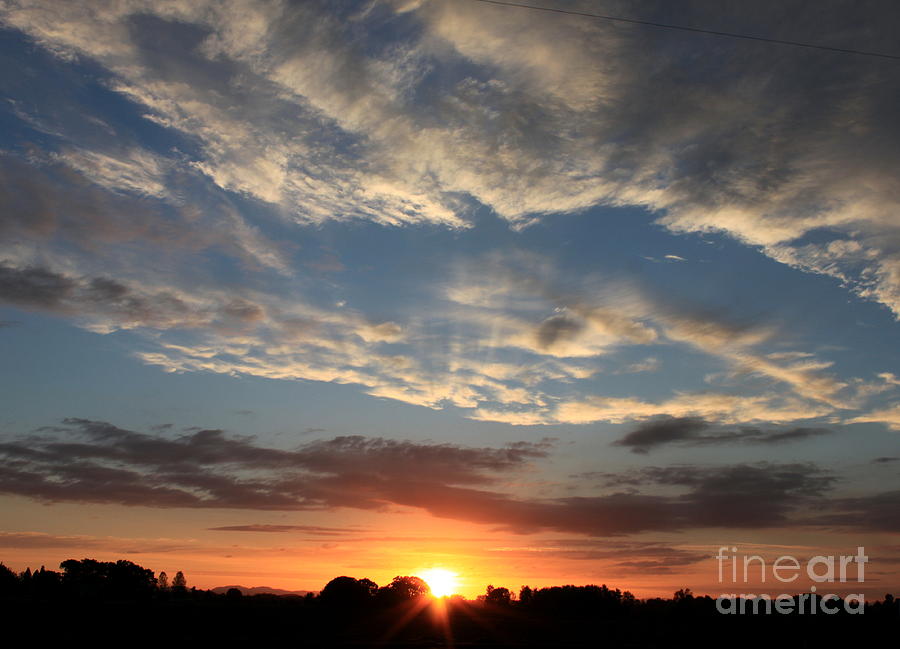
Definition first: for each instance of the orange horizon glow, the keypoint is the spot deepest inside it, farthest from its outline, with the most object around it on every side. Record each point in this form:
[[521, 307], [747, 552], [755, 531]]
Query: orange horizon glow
[[377, 546]]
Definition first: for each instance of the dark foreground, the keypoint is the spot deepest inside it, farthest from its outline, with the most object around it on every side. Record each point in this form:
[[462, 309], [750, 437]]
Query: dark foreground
[[105, 611]]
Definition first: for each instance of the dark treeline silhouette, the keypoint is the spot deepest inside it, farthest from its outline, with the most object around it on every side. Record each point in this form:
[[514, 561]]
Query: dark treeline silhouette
[[123, 604]]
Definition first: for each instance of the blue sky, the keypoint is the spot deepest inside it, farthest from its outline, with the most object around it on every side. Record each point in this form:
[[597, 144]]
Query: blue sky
[[613, 252]]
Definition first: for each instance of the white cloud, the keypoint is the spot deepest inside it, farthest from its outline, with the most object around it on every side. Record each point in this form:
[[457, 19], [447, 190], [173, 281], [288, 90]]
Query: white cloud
[[649, 364], [889, 416], [562, 114], [290, 105], [135, 170]]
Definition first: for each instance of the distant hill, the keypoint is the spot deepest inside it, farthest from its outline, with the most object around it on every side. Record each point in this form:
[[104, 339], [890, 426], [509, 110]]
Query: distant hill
[[258, 590]]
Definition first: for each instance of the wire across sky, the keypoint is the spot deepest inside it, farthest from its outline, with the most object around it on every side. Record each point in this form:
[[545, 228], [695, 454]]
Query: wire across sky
[[684, 28]]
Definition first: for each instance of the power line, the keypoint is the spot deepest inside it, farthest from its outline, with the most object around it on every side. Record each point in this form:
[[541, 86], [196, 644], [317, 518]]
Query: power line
[[691, 29]]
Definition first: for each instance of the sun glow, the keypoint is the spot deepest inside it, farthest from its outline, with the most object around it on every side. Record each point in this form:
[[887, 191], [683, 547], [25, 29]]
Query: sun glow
[[442, 582]]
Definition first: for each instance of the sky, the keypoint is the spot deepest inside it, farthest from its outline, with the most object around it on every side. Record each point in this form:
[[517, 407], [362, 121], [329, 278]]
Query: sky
[[293, 290]]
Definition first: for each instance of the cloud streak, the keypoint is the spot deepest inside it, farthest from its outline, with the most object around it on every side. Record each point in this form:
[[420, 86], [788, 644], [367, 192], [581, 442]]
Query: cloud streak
[[694, 431]]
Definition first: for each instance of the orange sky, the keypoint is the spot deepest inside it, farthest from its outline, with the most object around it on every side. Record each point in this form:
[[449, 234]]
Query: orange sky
[[381, 546]]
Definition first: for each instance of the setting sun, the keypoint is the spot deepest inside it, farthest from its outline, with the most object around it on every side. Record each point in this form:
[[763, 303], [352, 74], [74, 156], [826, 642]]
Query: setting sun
[[442, 582]]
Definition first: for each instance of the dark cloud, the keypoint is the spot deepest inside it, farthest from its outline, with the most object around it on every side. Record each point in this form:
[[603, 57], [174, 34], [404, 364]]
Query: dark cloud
[[662, 431], [45, 289], [34, 287], [42, 540], [878, 512], [791, 435], [92, 461], [43, 201], [695, 431], [556, 329], [758, 495], [885, 460], [280, 529], [97, 462], [116, 304], [622, 554]]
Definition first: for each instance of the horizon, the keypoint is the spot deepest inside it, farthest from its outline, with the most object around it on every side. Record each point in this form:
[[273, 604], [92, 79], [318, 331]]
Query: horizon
[[443, 584], [292, 290]]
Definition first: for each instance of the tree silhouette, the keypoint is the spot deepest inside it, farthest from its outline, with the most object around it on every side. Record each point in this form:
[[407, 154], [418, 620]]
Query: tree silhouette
[[525, 595], [347, 592], [179, 583], [163, 581], [683, 594], [45, 583], [403, 589], [9, 582], [497, 596], [104, 579]]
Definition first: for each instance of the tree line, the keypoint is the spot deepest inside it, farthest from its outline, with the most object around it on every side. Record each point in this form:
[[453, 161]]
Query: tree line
[[114, 603], [90, 579]]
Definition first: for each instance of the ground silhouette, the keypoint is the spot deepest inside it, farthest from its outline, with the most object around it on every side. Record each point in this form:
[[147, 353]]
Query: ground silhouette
[[123, 604]]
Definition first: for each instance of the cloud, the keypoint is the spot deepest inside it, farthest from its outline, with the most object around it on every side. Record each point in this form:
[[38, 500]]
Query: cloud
[[110, 544], [661, 431], [721, 407], [694, 431], [276, 114], [619, 554], [106, 304], [206, 468], [135, 171], [34, 287], [53, 203], [40, 540], [96, 462], [878, 512], [179, 63], [258, 333], [743, 495], [649, 364], [469, 103], [594, 315], [315, 530], [735, 149], [889, 416]]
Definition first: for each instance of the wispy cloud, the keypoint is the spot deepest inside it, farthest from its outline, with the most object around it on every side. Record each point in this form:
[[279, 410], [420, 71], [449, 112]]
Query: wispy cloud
[[283, 114], [613, 125]]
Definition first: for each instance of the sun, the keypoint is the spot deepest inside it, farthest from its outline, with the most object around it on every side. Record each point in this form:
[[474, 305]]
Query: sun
[[442, 582]]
